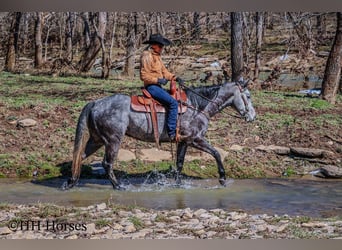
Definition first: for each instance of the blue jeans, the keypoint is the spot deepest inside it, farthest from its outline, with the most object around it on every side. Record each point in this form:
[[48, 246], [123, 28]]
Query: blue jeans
[[164, 98]]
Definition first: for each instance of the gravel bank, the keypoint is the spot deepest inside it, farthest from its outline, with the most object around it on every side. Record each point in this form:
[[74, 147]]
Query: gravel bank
[[103, 221]]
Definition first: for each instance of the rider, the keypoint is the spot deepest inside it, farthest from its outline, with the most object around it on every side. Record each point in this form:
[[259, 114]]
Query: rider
[[154, 74]]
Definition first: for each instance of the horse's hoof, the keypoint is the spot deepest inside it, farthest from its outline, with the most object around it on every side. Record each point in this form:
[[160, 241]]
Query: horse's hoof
[[65, 186], [222, 182], [68, 184], [119, 187], [178, 181]]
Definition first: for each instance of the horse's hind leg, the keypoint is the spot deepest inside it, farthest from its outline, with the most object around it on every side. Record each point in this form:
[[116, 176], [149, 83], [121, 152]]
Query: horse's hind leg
[[181, 151], [206, 147], [110, 155], [91, 147]]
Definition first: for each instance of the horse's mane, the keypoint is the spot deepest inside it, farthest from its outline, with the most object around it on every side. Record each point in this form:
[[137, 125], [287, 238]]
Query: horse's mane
[[195, 94]]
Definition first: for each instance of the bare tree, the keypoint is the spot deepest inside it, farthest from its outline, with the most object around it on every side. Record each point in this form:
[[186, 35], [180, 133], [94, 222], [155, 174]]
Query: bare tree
[[47, 26], [303, 26], [12, 47], [130, 51], [113, 35], [105, 54], [247, 32], [259, 32], [332, 73], [69, 33], [196, 31], [24, 32], [86, 30], [38, 55], [236, 45], [98, 35]]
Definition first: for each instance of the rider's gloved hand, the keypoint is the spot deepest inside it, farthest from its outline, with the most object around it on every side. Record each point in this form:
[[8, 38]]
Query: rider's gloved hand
[[179, 80], [162, 81]]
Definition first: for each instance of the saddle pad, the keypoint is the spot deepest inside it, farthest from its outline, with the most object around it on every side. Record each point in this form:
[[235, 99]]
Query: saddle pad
[[137, 105]]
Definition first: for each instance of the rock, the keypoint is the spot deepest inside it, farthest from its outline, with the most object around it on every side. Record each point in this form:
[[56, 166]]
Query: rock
[[199, 212], [101, 206], [130, 229], [281, 228], [210, 234], [328, 171], [188, 214], [153, 154], [275, 149], [236, 147], [5, 230], [26, 123], [200, 233], [311, 152], [72, 237], [30, 235], [174, 218], [90, 228], [238, 216], [139, 235], [126, 155], [117, 227], [260, 228], [313, 224]]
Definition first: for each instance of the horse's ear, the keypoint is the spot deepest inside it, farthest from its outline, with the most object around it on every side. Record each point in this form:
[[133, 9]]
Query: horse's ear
[[243, 83]]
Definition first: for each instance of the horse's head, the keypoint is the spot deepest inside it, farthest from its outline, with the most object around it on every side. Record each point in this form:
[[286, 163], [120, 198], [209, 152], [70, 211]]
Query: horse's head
[[243, 102]]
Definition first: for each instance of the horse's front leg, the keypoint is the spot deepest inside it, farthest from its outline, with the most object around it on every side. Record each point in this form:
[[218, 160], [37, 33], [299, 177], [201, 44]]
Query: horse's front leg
[[181, 151], [107, 164], [203, 145]]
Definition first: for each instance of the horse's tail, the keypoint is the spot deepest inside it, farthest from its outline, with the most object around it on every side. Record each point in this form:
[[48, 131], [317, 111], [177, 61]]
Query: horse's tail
[[81, 137]]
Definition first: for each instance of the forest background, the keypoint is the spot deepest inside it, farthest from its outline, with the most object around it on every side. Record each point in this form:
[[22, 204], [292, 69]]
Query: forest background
[[52, 63]]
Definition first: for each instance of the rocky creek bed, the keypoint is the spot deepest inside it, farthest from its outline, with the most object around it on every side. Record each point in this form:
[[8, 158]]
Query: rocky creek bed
[[108, 221]]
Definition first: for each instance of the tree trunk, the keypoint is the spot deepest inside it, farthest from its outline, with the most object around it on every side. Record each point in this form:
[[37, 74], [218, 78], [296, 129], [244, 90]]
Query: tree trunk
[[130, 51], [207, 23], [24, 33], [86, 30], [12, 47], [246, 36], [69, 33], [259, 32], [113, 36], [320, 27], [46, 43], [38, 55], [196, 32], [178, 27], [332, 73], [89, 56], [236, 45], [105, 55]]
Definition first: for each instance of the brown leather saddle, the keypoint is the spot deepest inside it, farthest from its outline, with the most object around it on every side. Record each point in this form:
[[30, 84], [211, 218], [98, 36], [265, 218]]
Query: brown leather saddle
[[145, 103]]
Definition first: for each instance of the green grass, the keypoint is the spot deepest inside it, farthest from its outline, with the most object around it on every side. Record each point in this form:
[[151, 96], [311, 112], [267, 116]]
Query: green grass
[[137, 222], [45, 97]]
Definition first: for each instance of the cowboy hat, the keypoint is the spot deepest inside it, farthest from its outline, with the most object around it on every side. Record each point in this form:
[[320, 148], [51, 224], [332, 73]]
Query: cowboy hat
[[159, 39]]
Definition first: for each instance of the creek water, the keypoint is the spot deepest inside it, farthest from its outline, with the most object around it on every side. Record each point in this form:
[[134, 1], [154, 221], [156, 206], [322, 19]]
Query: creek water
[[305, 197]]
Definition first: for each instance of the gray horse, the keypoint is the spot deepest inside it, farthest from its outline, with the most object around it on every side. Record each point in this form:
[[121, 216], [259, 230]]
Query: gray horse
[[106, 121]]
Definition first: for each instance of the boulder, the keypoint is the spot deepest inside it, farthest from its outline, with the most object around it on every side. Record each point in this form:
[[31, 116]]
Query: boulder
[[28, 122], [329, 171], [311, 152]]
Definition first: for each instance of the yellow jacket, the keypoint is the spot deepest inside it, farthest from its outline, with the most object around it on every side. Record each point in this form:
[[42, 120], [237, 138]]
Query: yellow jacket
[[152, 68]]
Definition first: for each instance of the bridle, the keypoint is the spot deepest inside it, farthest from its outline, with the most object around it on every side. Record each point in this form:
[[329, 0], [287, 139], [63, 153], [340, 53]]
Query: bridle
[[243, 96]]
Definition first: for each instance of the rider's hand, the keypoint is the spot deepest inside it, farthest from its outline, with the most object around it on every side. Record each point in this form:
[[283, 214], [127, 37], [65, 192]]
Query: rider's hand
[[162, 81], [179, 80]]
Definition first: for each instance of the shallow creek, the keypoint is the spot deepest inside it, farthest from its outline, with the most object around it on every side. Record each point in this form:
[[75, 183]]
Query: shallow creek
[[305, 197]]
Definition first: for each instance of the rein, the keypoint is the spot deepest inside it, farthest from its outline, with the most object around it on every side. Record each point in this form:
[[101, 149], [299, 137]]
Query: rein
[[202, 96], [211, 101]]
